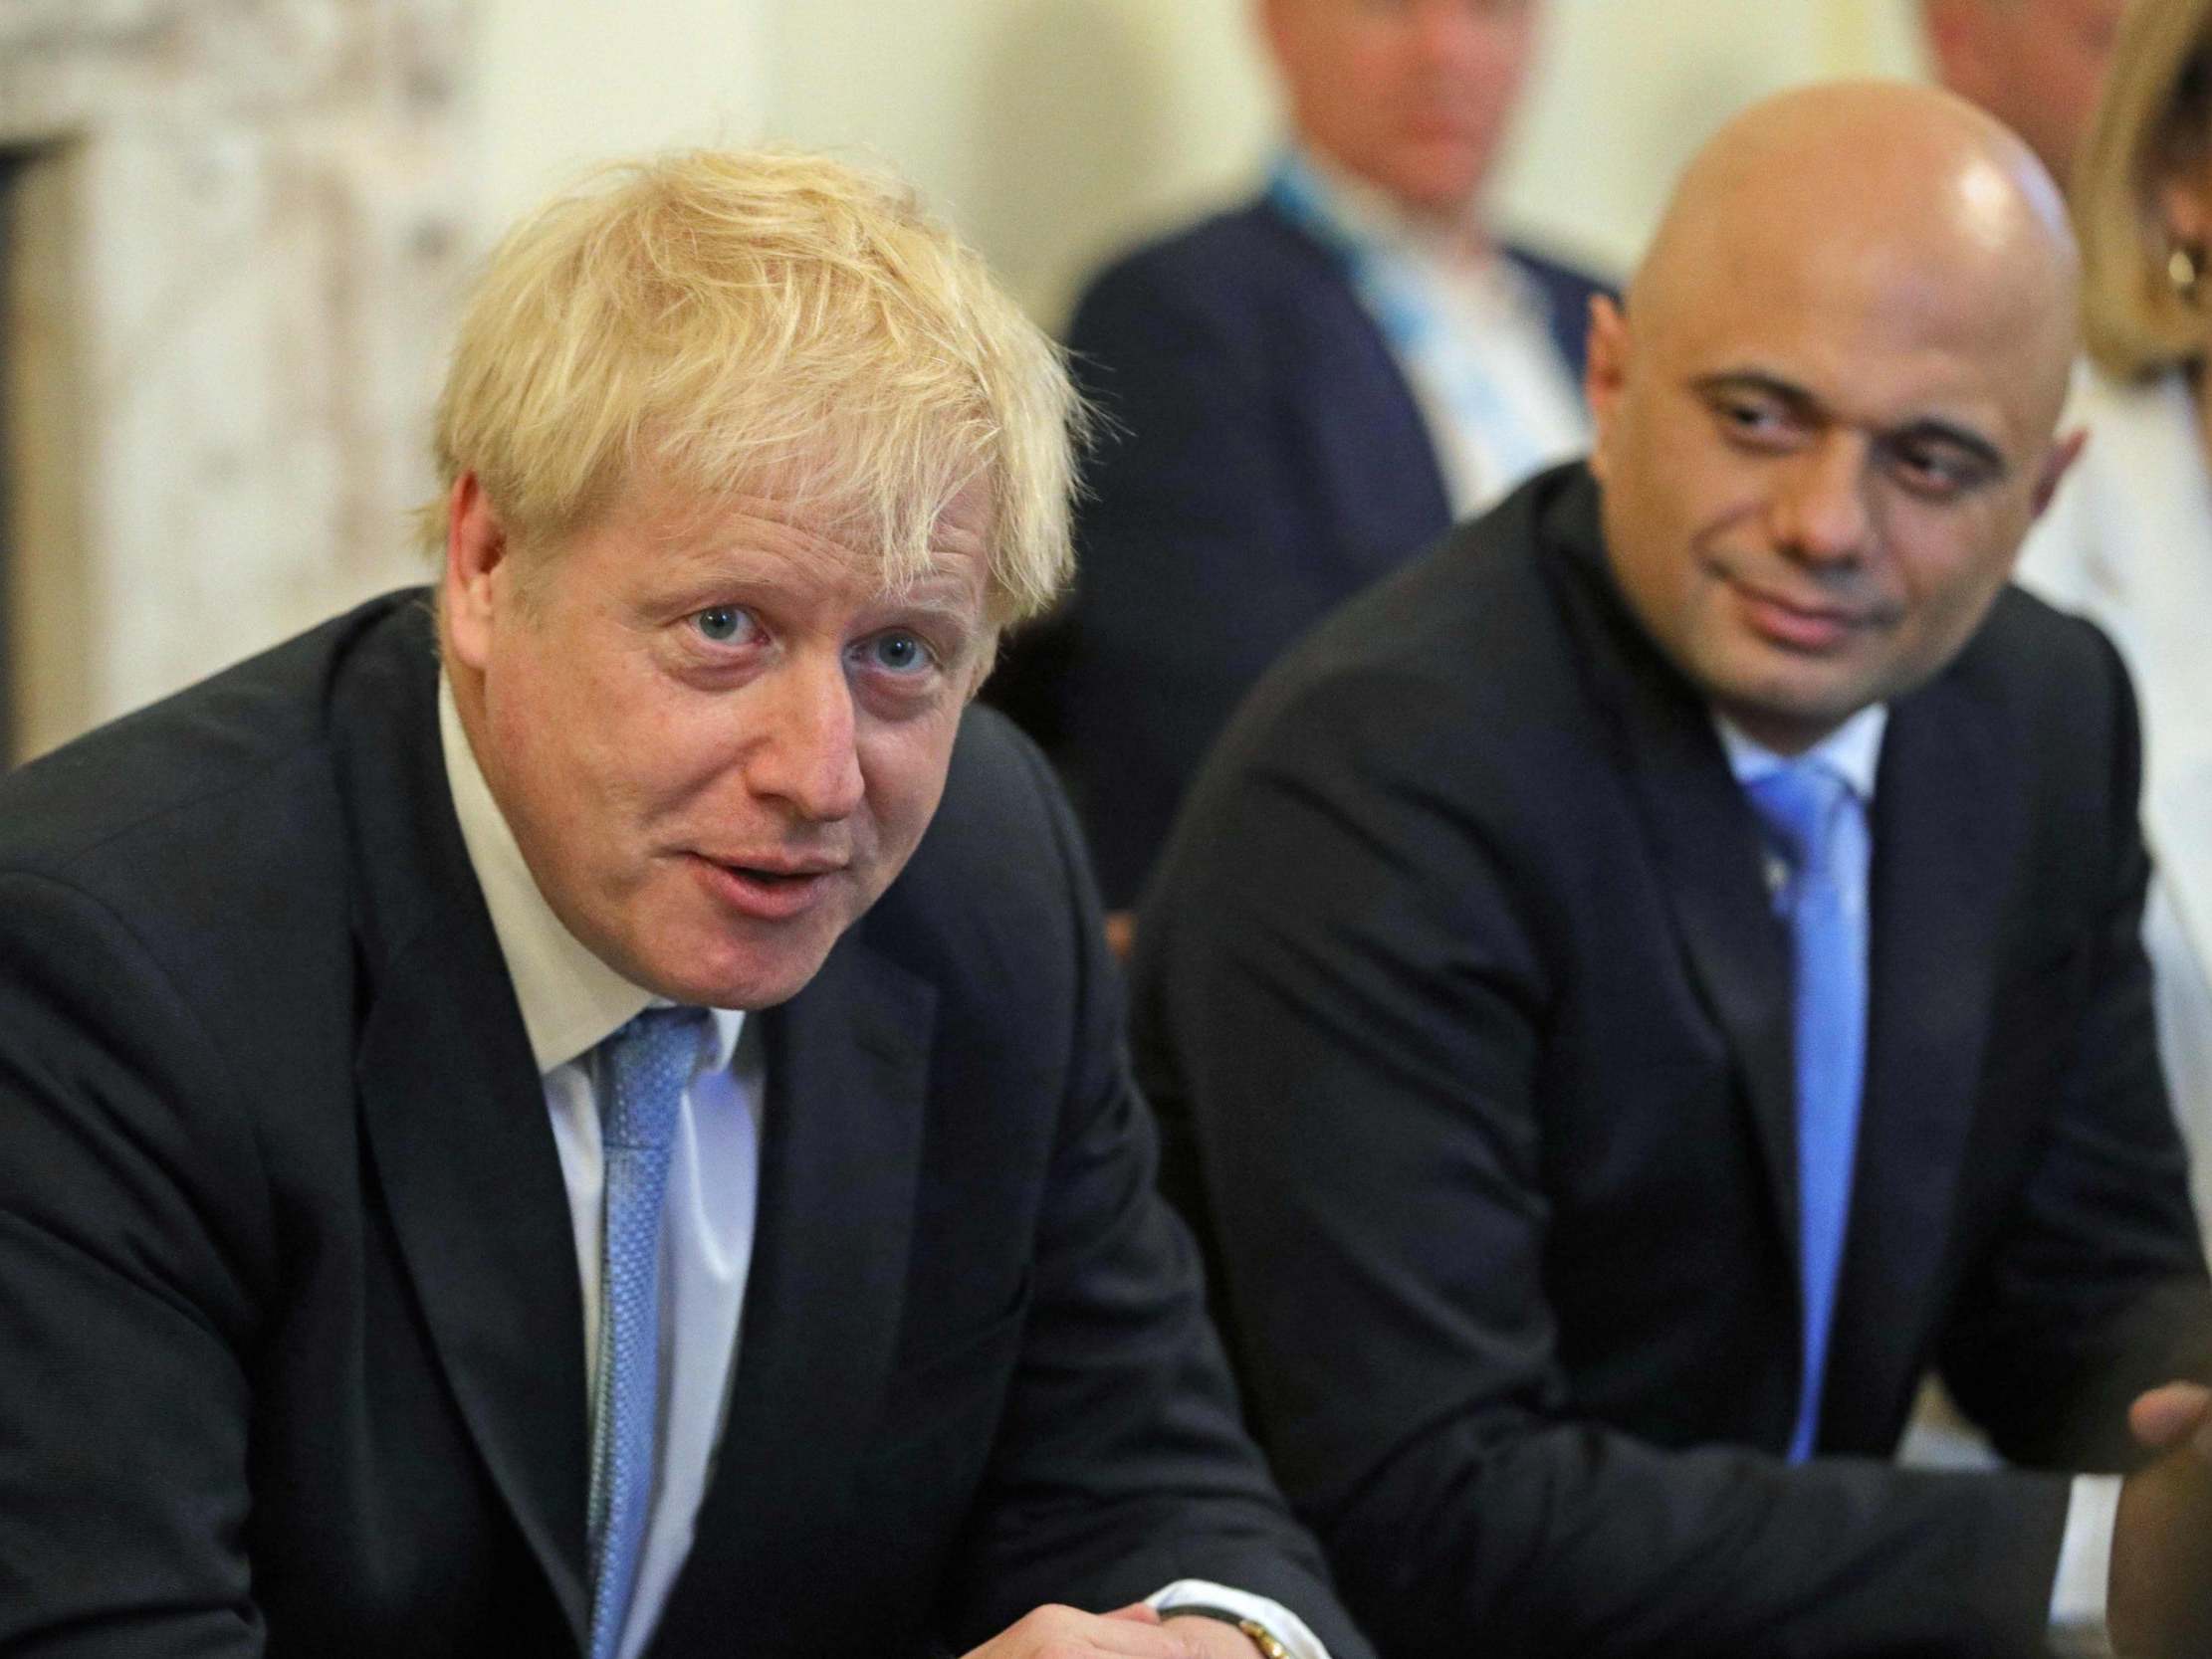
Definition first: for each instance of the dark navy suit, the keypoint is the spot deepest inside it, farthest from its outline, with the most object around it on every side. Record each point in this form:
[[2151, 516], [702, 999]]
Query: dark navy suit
[[293, 1348], [1464, 1004], [1264, 460]]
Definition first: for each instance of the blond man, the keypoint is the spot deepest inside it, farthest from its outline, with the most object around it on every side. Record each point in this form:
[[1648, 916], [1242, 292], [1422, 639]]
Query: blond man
[[512, 1141]]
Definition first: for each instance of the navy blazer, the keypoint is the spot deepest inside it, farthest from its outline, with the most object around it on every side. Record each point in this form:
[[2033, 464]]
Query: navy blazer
[[294, 1344], [1462, 998], [1264, 460]]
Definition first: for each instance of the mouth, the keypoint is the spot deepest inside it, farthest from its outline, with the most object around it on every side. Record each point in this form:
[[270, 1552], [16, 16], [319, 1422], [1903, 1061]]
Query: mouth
[[1815, 625], [767, 888]]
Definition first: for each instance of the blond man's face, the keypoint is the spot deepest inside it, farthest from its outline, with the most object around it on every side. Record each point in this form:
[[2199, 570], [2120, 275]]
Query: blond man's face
[[716, 736]]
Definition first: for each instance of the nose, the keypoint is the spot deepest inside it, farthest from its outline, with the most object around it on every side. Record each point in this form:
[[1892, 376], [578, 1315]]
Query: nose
[[807, 755], [1820, 511]]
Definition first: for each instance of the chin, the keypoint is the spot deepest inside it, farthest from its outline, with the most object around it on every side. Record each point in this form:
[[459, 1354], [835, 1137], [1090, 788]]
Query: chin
[[1446, 185]]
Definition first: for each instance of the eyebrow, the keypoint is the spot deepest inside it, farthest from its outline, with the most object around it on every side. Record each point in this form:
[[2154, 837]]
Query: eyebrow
[[1802, 404], [926, 598]]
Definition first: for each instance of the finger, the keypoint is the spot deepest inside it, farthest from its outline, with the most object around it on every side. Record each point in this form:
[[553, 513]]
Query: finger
[[1137, 1612], [2164, 1417]]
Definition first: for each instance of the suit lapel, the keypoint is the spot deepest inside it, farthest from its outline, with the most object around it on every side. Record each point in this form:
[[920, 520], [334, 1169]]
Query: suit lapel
[[455, 1122], [1712, 864], [458, 1136], [1943, 845], [1370, 424], [1707, 845], [841, 1143]]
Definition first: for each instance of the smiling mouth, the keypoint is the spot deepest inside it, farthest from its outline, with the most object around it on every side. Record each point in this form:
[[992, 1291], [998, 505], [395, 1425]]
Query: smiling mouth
[[1796, 626]]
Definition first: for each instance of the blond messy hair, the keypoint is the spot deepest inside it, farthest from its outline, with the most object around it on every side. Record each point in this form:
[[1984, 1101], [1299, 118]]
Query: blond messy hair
[[2155, 118], [760, 324]]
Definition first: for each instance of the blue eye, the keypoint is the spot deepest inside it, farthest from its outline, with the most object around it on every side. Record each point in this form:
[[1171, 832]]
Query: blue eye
[[899, 652], [721, 623]]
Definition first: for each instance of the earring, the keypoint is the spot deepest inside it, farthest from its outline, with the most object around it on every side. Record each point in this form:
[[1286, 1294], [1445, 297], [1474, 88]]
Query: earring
[[2185, 272]]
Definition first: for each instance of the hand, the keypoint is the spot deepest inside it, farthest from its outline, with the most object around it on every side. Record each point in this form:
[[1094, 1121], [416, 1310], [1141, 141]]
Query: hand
[[1137, 1631], [2160, 1595], [1121, 933]]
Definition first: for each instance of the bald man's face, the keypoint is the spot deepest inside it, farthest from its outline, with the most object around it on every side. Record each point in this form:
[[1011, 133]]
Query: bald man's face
[[1818, 457], [1412, 95]]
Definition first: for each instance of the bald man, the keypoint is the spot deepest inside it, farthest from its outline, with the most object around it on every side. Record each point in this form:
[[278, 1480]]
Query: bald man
[[1638, 990], [2036, 65]]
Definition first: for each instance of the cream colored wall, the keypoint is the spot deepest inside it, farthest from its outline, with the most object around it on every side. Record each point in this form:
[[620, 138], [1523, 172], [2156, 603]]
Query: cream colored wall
[[1052, 129], [559, 86]]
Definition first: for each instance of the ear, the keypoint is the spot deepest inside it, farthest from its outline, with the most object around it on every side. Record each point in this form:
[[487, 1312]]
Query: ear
[[477, 578], [1605, 375], [2055, 466]]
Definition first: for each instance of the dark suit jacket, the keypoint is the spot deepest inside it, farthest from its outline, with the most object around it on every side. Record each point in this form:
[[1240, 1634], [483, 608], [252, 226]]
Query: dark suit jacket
[[1264, 461], [1462, 974], [288, 1298]]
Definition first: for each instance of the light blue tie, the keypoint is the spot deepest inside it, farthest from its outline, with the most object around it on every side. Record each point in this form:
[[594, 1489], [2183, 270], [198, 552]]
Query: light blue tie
[[646, 1066], [1814, 817]]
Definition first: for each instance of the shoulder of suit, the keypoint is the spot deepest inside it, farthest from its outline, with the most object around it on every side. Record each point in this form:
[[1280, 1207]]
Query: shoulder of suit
[[1219, 262], [190, 765], [1464, 649], [2027, 636], [991, 910], [2045, 671], [999, 823]]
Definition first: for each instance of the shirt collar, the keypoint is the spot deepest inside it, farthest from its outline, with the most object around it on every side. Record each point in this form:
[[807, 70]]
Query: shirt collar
[[570, 1000], [1853, 751], [1371, 217]]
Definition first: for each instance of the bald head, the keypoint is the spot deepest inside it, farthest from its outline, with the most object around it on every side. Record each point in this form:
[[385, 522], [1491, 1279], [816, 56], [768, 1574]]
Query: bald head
[[1893, 180], [1824, 419]]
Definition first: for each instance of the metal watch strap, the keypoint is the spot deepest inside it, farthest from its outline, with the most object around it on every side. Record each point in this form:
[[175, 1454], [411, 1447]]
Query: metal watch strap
[[1258, 1634]]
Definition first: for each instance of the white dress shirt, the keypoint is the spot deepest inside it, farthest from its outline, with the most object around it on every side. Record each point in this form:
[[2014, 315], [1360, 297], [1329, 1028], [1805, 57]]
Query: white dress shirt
[[2078, 1592], [571, 1004]]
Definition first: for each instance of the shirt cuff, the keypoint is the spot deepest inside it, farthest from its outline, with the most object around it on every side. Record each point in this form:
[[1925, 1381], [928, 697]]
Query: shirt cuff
[[2078, 1629], [1282, 1623]]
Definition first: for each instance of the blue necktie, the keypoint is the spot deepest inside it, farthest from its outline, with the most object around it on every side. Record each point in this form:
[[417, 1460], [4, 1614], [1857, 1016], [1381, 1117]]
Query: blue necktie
[[1811, 813], [647, 1063]]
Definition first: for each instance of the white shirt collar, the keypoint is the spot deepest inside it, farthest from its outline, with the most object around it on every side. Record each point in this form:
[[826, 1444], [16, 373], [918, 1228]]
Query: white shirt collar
[[1370, 216], [1853, 751], [570, 1000]]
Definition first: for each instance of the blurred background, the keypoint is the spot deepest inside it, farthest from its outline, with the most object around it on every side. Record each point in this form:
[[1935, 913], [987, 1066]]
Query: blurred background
[[233, 234]]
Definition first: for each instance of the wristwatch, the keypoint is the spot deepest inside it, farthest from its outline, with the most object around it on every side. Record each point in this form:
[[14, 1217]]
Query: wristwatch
[[1261, 1637]]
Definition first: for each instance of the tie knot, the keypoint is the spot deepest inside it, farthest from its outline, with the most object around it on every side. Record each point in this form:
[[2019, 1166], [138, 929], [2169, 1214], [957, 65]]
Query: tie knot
[[649, 1061], [1800, 804]]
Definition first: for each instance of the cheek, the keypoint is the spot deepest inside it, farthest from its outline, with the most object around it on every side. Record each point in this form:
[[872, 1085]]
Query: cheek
[[1502, 59], [905, 768]]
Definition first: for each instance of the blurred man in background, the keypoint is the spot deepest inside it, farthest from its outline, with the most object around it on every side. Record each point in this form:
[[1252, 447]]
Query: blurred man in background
[[2036, 65], [1299, 394]]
